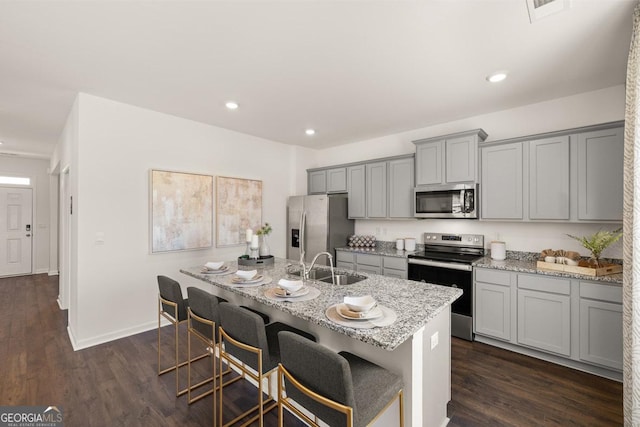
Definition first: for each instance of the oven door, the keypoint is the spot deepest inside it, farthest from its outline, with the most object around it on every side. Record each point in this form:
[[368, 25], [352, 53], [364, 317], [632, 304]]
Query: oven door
[[456, 275]]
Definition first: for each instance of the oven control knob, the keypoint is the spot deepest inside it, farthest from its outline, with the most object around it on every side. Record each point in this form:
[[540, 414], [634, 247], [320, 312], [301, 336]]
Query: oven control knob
[[476, 240], [433, 237], [427, 237], [469, 238]]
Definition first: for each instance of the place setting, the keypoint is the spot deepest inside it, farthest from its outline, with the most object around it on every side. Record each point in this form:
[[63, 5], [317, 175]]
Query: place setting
[[291, 291], [248, 279], [361, 312], [216, 268]]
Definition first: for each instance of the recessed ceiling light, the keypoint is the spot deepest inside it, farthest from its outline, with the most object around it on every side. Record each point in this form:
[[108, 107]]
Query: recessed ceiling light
[[1, 142], [231, 105], [310, 132], [497, 77]]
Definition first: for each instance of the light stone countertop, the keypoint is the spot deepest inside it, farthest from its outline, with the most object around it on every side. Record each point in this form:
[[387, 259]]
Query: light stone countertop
[[529, 266], [377, 251], [415, 303]]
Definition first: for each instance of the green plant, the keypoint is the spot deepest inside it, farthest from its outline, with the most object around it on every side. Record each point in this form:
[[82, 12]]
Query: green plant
[[264, 230], [598, 242]]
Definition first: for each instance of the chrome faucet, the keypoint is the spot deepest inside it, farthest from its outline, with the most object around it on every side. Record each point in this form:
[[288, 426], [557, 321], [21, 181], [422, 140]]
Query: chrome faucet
[[305, 272]]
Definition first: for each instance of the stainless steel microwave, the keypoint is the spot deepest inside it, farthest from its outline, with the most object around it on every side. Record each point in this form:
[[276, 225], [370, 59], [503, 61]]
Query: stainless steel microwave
[[446, 201]]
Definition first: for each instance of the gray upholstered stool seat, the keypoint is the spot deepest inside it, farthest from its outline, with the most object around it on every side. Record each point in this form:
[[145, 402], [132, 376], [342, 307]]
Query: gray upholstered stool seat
[[341, 389], [245, 341], [203, 321], [173, 307]]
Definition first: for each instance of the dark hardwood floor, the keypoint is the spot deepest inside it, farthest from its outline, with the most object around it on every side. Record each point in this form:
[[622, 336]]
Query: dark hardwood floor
[[116, 383]]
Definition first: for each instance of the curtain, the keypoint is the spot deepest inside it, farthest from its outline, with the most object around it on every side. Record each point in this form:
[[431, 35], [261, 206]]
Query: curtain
[[631, 238]]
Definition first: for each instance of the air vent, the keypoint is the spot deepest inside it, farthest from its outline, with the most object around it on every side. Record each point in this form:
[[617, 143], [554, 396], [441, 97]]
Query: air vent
[[539, 9]]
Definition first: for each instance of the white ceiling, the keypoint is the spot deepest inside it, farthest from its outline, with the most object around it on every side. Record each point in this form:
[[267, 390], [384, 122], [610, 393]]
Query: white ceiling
[[352, 70]]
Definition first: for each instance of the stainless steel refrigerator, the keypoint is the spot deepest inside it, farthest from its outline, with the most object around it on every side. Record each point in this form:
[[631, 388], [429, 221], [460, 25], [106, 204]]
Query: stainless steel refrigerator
[[317, 223]]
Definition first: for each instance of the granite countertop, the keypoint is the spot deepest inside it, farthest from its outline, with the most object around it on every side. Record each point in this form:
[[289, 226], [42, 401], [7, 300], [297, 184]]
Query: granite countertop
[[415, 303], [527, 265], [384, 251]]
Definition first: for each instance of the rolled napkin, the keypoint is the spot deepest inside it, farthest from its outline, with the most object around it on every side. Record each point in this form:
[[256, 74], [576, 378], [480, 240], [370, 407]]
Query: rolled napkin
[[214, 265], [246, 274], [290, 285]]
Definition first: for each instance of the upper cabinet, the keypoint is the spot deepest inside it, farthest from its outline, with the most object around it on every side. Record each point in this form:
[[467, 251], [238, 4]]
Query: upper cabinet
[[356, 190], [400, 188], [573, 175], [322, 181], [448, 159], [549, 178], [501, 186], [600, 167], [376, 190]]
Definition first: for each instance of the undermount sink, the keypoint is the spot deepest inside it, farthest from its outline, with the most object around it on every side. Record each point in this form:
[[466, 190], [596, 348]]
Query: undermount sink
[[344, 279], [314, 274]]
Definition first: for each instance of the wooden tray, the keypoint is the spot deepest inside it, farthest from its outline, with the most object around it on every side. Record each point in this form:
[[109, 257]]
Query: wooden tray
[[582, 268]]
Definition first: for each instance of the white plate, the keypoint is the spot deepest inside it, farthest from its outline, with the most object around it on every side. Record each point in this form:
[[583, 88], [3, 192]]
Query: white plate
[[221, 270], [388, 318], [240, 281], [264, 281], [281, 293], [344, 312]]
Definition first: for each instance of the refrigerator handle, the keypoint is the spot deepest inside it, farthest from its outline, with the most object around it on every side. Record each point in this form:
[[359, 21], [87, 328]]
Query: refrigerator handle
[[303, 223]]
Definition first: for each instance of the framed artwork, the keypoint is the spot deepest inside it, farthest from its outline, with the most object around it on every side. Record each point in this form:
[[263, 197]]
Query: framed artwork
[[181, 211], [239, 206]]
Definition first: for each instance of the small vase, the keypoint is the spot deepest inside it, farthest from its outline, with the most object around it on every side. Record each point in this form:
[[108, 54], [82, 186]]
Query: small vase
[[265, 250]]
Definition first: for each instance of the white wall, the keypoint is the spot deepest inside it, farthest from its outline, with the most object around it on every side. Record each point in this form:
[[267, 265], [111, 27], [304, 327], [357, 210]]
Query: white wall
[[117, 146], [36, 169], [585, 109]]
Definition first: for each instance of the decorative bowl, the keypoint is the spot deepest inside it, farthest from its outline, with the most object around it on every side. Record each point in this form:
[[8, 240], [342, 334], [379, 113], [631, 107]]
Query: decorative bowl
[[360, 304]]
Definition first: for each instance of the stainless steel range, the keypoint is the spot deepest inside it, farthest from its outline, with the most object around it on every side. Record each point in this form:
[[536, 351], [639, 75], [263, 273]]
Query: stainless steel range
[[447, 260]]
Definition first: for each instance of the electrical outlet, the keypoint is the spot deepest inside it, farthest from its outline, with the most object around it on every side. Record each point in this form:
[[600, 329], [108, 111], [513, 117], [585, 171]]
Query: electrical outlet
[[434, 340]]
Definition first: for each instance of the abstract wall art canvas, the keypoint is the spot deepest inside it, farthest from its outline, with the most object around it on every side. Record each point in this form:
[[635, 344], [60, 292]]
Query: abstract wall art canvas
[[239, 206], [181, 211]]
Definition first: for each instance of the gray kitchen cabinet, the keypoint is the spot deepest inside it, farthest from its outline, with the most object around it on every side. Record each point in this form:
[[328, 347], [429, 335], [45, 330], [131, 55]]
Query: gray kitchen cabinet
[[549, 178], [356, 186], [501, 187], [317, 182], [544, 313], [492, 314], [337, 180], [394, 267], [600, 167], [448, 159], [376, 190], [369, 263], [601, 324], [429, 161], [401, 183], [461, 159], [345, 260]]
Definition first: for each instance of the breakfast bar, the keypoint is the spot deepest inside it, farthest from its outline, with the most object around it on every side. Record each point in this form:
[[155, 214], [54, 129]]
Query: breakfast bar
[[416, 343]]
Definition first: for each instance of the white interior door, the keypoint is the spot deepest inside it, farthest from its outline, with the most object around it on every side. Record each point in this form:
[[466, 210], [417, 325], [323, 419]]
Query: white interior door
[[16, 230]]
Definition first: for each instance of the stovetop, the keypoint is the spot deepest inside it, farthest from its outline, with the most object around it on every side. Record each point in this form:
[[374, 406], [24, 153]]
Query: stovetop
[[462, 248], [465, 258]]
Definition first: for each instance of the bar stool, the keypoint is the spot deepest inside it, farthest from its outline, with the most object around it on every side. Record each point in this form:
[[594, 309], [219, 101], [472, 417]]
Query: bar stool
[[203, 317], [172, 307], [252, 347], [341, 389]]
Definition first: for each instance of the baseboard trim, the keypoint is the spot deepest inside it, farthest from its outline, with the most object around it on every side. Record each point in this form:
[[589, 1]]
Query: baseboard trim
[[111, 336], [569, 363], [54, 273], [60, 303], [42, 270]]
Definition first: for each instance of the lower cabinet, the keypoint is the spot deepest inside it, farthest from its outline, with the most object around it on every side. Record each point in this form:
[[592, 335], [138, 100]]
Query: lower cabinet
[[575, 320], [544, 321], [372, 264], [601, 325]]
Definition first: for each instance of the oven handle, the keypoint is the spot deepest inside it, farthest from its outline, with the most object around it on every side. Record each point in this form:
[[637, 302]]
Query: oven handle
[[448, 265]]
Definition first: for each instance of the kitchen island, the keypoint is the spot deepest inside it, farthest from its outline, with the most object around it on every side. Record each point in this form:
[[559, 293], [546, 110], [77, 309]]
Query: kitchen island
[[417, 345]]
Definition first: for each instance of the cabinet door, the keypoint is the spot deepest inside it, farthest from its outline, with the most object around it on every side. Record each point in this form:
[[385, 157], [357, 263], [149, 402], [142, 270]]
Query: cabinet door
[[368, 269], [356, 190], [398, 274], [501, 185], [429, 161], [549, 178], [600, 165], [601, 333], [493, 310], [337, 180], [461, 159], [317, 182], [376, 190], [344, 265], [544, 321], [401, 183]]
